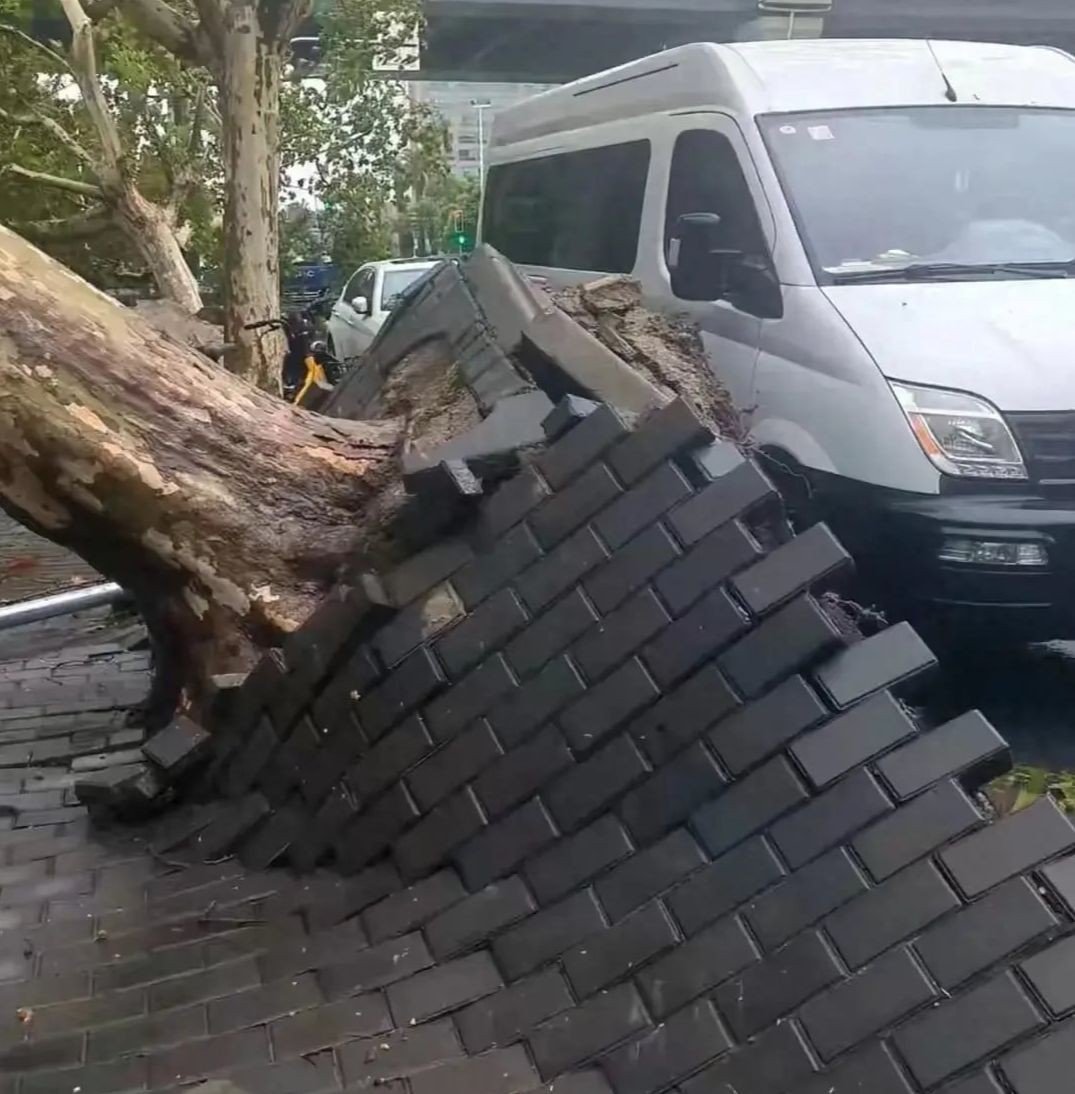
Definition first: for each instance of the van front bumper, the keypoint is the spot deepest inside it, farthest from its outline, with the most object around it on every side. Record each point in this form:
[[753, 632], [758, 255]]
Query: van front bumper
[[901, 541]]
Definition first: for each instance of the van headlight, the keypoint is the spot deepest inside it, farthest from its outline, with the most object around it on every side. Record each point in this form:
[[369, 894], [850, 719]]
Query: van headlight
[[962, 434]]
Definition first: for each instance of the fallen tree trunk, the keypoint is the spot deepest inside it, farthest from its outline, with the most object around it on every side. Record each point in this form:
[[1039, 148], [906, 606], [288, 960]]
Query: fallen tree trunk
[[225, 511]]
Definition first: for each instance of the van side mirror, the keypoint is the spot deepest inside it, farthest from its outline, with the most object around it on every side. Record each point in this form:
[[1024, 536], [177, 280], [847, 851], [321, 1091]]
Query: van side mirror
[[702, 270], [699, 267], [361, 305]]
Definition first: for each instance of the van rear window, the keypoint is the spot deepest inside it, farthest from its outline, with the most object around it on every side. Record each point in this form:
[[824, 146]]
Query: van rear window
[[575, 211]]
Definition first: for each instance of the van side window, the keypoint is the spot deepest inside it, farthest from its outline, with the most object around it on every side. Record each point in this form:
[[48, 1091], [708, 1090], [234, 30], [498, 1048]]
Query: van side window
[[706, 178], [576, 211]]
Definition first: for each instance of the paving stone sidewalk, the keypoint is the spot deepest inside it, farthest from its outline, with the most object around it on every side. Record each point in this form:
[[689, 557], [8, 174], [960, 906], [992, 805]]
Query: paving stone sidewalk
[[32, 566]]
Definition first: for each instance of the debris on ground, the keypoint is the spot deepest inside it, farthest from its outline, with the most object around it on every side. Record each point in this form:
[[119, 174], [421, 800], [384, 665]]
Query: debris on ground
[[667, 350]]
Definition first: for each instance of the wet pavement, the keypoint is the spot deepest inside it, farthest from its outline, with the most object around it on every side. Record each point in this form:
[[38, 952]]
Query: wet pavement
[[1027, 692]]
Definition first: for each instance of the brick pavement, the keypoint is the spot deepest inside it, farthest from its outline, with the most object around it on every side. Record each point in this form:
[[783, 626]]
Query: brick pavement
[[32, 566], [547, 847]]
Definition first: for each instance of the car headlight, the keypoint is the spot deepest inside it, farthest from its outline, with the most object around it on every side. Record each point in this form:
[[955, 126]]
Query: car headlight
[[962, 434]]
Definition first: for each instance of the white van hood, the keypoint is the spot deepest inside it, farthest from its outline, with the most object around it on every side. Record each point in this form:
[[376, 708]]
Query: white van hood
[[1012, 342]]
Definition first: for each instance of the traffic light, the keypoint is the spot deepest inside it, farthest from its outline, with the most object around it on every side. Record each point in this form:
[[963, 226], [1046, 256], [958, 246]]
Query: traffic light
[[460, 237]]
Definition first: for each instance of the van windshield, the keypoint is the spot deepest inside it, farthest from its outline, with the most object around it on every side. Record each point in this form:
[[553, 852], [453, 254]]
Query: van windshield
[[940, 192]]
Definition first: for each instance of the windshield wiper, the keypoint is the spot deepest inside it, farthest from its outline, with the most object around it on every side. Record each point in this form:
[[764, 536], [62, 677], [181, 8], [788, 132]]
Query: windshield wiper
[[939, 271]]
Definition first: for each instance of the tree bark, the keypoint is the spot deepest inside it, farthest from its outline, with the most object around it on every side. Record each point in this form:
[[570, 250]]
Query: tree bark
[[249, 81], [226, 509], [154, 233]]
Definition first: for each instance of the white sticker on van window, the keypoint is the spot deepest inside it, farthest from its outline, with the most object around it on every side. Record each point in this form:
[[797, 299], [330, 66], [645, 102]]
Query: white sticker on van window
[[820, 132], [787, 129]]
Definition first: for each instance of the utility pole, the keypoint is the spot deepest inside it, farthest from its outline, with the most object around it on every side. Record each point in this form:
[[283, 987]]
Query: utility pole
[[481, 106]]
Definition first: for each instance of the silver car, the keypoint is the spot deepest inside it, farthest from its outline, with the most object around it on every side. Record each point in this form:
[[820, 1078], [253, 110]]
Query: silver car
[[367, 298]]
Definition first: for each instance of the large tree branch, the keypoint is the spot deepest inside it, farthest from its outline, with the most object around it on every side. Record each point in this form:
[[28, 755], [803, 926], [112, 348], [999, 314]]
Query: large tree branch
[[56, 182], [94, 222], [84, 63], [28, 39], [53, 127], [282, 18], [98, 9], [169, 28]]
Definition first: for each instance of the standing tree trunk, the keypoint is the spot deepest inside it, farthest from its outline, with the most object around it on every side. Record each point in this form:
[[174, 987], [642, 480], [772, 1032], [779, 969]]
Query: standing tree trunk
[[226, 509], [152, 230], [250, 74]]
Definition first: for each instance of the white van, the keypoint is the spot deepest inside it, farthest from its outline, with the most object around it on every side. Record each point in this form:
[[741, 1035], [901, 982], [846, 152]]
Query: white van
[[865, 232]]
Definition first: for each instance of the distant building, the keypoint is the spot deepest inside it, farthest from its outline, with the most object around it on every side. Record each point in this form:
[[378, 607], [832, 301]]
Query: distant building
[[460, 103]]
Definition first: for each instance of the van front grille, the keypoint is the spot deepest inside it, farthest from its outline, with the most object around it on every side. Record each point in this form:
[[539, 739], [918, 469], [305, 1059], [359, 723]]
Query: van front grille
[[1047, 439]]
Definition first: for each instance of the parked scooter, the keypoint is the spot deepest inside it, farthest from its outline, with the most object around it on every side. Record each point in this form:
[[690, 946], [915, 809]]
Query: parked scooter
[[308, 366]]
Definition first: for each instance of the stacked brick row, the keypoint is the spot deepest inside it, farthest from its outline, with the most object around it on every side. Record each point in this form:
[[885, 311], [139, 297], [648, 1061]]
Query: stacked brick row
[[632, 812]]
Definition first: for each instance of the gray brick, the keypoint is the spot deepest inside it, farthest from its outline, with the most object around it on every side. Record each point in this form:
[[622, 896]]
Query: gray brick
[[256, 1005], [580, 446], [437, 834], [1016, 843], [573, 506], [764, 992], [706, 565], [616, 952], [375, 829], [375, 967], [735, 877], [507, 1015], [642, 504], [560, 569], [390, 757], [916, 829], [577, 1035], [419, 573], [417, 623], [445, 987], [706, 628], [407, 687], [902, 906], [887, 659], [469, 698], [630, 568], [677, 1047], [748, 805], [621, 694], [965, 1029], [375, 1060], [505, 1071], [484, 630], [1001, 923], [494, 568], [479, 916], [648, 873], [870, 1069], [586, 788], [852, 739], [1050, 974], [516, 776], [194, 1060], [535, 701], [671, 794], [830, 818], [697, 966], [525, 947], [550, 633], [792, 568], [750, 735], [666, 432], [505, 844], [722, 500], [621, 633], [793, 638], [766, 1066], [967, 745], [409, 908], [516, 498], [332, 1023], [1040, 1067], [455, 764], [572, 861], [876, 998], [804, 898]]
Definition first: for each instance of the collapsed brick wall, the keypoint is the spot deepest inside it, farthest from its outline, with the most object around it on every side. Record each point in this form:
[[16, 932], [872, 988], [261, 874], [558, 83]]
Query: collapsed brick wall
[[619, 806]]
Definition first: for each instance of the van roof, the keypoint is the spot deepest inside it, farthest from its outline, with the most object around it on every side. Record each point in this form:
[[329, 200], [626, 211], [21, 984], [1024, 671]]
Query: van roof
[[807, 74]]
